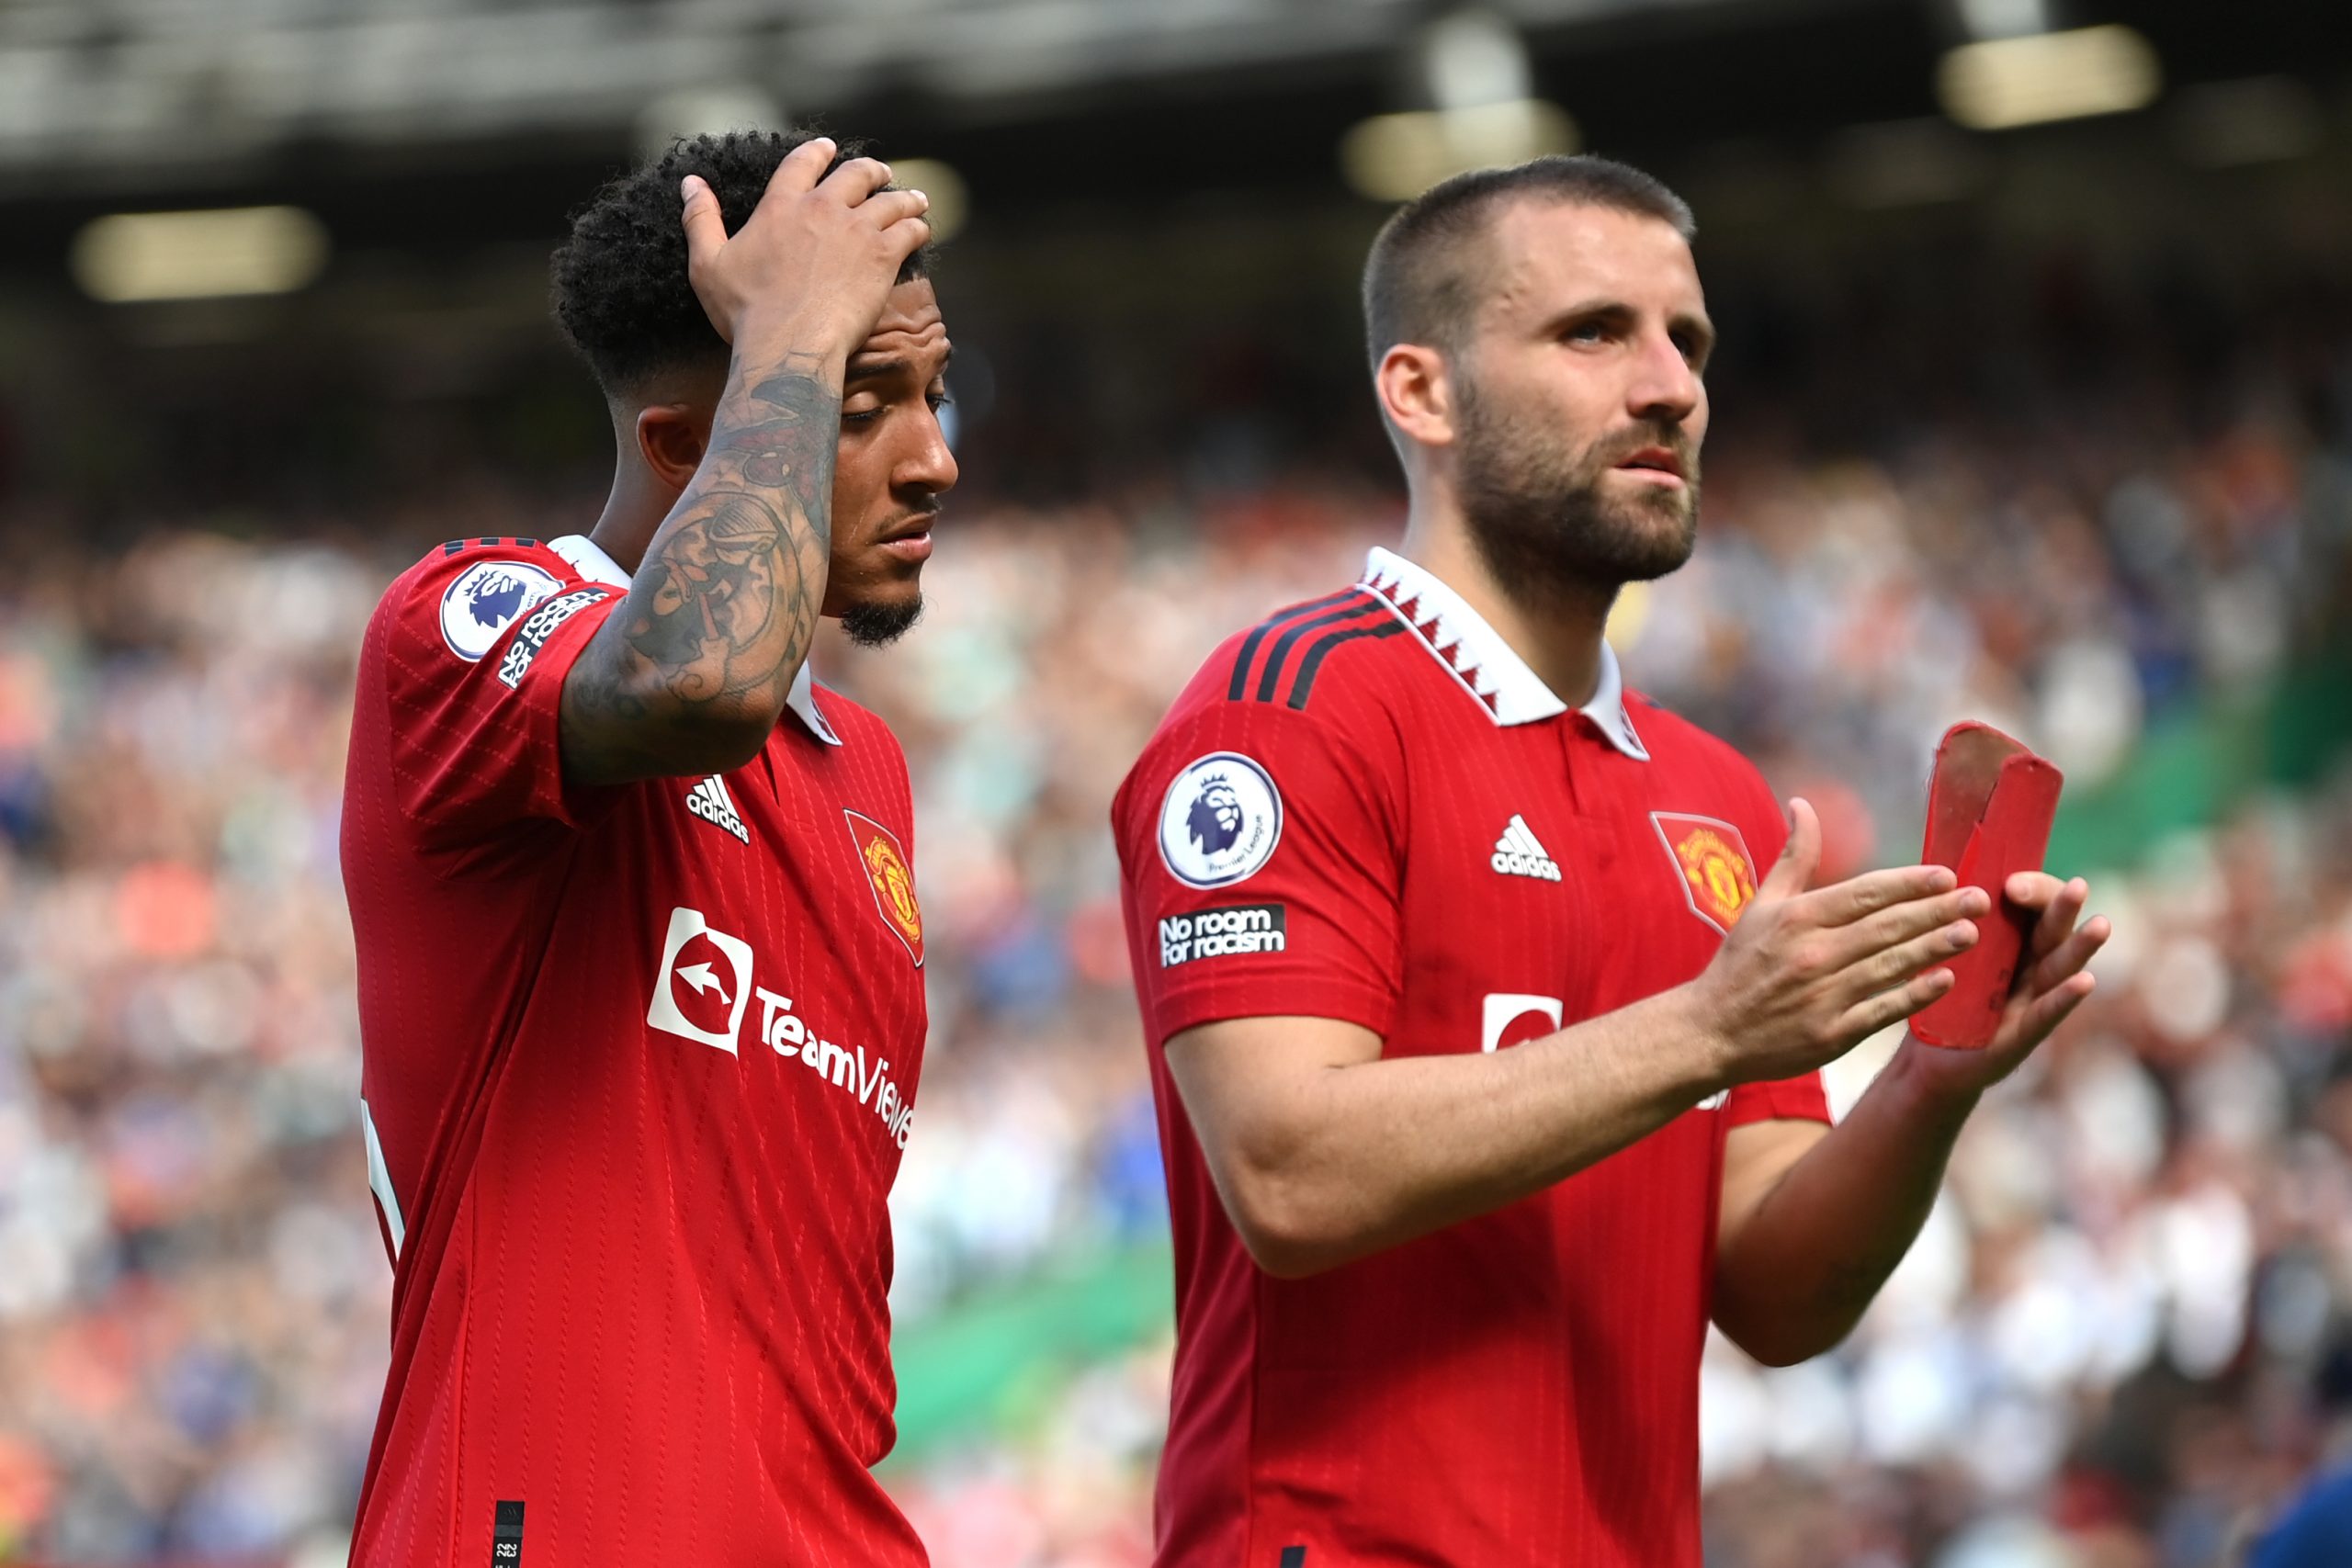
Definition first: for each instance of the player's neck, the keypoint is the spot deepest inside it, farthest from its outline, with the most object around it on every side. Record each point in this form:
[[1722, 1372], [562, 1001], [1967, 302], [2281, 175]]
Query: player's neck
[[1555, 627], [632, 516]]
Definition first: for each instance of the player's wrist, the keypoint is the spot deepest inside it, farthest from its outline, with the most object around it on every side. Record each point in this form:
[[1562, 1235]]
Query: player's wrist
[[768, 337], [1702, 1048], [1923, 1089]]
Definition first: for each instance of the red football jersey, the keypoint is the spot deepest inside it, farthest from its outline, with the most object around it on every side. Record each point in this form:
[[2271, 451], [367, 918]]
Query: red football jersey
[[1369, 808], [638, 1064]]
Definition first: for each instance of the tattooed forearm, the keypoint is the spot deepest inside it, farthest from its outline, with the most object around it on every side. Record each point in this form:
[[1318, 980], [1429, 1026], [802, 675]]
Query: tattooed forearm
[[709, 598], [720, 614]]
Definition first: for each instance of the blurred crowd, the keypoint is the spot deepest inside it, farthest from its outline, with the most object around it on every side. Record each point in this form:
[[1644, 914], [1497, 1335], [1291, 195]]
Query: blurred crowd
[[2119, 1342]]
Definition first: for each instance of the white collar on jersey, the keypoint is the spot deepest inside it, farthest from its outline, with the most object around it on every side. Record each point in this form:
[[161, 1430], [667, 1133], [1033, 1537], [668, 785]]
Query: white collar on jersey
[[589, 560], [1474, 653]]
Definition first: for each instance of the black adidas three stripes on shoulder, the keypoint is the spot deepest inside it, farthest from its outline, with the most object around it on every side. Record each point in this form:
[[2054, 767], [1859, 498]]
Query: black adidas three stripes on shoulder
[[1321, 625]]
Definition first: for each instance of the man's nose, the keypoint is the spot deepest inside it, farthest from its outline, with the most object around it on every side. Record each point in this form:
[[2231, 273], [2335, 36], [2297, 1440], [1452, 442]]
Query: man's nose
[[1664, 388], [930, 465]]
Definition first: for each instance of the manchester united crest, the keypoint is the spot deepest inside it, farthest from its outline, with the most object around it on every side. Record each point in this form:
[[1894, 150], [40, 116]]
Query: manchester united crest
[[892, 879], [1712, 858]]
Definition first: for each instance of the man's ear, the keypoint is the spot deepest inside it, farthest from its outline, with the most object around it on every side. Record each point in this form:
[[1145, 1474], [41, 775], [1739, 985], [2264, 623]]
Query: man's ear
[[1416, 391], [671, 437]]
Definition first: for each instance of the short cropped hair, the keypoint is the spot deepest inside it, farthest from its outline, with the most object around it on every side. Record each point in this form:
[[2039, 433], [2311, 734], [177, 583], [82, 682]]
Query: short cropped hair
[[1419, 281], [621, 293]]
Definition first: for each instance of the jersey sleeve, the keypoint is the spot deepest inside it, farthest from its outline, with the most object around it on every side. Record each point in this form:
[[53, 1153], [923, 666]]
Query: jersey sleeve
[[1259, 862], [1800, 1099], [475, 645]]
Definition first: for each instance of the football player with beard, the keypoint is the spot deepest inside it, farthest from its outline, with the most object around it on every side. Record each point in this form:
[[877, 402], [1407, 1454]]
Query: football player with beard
[[1486, 1025]]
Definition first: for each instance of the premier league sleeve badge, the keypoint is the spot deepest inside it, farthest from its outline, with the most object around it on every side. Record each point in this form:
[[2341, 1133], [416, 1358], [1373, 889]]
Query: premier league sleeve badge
[[1220, 820]]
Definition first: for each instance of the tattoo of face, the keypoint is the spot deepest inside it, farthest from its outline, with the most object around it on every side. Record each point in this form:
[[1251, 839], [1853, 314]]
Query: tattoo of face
[[713, 596]]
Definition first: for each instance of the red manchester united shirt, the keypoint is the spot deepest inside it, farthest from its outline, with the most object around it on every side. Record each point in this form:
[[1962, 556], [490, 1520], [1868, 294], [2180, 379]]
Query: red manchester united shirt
[[639, 1066], [1369, 808]]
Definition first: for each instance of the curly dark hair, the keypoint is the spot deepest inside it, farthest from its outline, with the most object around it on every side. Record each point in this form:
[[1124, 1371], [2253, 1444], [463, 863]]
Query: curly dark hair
[[620, 280]]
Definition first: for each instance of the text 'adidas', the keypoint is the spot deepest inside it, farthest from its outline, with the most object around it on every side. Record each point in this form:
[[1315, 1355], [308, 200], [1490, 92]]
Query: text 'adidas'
[[708, 801], [1518, 854]]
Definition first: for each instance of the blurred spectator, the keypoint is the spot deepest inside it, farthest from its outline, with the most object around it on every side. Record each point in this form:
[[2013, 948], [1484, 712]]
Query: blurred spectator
[[2316, 1533]]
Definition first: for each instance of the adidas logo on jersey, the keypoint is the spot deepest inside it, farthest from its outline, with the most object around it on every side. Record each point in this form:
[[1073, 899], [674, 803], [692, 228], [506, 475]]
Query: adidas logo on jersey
[[1518, 854], [708, 801]]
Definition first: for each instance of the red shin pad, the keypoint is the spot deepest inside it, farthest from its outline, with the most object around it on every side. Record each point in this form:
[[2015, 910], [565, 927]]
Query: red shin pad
[[1989, 809]]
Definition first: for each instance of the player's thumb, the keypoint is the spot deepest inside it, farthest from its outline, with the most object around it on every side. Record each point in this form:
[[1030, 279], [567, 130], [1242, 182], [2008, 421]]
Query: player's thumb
[[1800, 858]]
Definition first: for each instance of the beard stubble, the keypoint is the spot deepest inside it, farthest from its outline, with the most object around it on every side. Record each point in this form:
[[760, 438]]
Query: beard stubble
[[1538, 514]]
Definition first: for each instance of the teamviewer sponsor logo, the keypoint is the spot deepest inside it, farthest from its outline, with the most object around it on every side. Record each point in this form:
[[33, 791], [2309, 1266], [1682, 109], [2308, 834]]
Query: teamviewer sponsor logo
[[706, 982], [1218, 933], [700, 993]]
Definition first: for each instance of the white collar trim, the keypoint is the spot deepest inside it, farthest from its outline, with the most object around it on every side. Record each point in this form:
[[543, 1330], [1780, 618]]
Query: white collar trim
[[589, 560], [1474, 653]]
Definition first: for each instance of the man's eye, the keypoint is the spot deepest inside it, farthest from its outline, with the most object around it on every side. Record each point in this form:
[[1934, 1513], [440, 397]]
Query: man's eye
[[860, 417]]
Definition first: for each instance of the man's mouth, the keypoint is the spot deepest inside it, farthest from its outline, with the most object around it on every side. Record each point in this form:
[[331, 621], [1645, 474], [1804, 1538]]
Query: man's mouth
[[910, 541], [1659, 464]]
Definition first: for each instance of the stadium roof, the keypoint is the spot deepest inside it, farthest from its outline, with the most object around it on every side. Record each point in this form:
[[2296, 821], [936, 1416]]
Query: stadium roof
[[198, 82], [205, 87], [417, 127]]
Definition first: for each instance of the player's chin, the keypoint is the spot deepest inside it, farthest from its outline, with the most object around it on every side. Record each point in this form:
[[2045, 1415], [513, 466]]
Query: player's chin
[[1669, 508], [884, 614], [1650, 541]]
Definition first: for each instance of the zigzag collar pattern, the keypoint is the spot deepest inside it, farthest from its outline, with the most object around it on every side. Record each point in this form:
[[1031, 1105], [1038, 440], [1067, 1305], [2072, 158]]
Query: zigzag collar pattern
[[1474, 654]]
